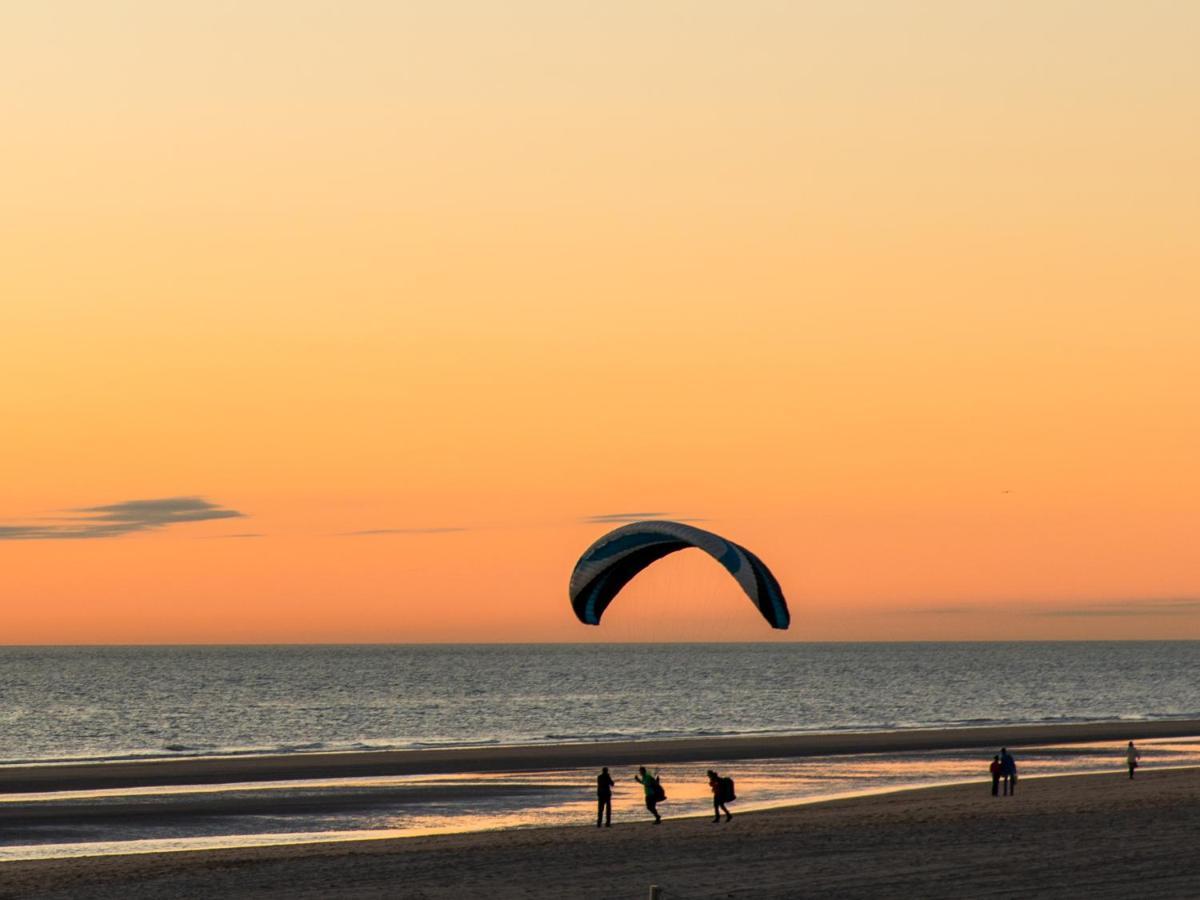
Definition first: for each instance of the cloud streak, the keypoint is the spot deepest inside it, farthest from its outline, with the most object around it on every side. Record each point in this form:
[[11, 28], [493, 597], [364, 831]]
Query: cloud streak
[[1151, 606], [1181, 606], [626, 518], [118, 519]]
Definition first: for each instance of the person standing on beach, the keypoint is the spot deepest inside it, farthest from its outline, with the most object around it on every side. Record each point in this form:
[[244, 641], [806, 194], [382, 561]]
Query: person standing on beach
[[654, 791], [995, 769], [720, 793], [1008, 769], [1131, 758], [604, 786]]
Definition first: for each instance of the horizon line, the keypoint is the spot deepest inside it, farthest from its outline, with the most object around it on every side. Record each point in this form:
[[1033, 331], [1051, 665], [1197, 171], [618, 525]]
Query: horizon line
[[263, 644]]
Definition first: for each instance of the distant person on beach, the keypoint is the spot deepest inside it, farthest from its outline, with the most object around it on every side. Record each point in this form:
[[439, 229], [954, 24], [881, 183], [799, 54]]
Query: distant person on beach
[[604, 786], [654, 791], [1131, 758], [722, 791], [995, 768], [1008, 769]]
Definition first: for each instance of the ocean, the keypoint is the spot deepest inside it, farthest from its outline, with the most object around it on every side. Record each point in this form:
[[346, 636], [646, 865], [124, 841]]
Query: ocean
[[105, 703]]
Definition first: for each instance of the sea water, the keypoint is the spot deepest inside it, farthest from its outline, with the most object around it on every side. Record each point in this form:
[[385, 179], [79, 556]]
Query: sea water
[[100, 703]]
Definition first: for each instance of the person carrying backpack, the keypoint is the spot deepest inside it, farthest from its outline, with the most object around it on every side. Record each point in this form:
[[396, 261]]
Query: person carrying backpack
[[654, 791], [722, 791]]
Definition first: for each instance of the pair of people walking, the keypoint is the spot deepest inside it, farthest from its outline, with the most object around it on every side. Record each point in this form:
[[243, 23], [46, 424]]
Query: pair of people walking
[[1003, 768]]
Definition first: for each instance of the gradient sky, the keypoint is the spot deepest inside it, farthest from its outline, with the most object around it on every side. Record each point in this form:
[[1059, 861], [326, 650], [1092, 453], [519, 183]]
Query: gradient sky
[[904, 296]]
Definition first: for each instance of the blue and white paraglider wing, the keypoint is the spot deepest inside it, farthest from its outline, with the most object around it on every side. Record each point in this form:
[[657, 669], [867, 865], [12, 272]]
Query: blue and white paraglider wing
[[612, 562]]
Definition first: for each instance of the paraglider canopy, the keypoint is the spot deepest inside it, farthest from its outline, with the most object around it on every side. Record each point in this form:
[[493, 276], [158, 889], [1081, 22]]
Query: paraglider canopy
[[611, 562]]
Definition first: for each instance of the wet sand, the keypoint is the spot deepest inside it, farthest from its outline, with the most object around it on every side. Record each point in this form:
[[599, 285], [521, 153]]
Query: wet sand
[[1075, 836], [230, 769], [74, 818]]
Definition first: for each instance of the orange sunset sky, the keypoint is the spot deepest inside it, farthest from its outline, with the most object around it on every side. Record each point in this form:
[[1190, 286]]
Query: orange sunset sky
[[903, 296]]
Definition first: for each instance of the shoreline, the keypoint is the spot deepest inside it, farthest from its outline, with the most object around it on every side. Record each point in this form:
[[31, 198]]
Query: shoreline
[[214, 843], [1082, 835], [64, 776]]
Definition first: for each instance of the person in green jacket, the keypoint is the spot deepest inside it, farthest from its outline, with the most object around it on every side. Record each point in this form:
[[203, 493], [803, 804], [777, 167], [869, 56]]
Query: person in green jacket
[[649, 784]]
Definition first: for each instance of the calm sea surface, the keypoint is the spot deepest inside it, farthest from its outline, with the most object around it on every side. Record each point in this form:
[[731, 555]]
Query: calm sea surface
[[114, 702]]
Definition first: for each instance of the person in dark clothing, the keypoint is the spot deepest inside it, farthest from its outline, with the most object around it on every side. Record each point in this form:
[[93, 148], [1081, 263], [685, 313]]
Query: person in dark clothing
[[995, 769], [719, 798], [1132, 755], [649, 784], [1008, 769], [604, 786]]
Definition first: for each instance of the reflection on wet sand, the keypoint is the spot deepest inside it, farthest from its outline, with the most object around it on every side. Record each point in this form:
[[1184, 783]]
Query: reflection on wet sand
[[145, 820]]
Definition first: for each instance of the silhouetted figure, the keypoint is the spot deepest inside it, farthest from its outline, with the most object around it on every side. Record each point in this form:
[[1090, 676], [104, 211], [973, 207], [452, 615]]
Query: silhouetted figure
[[995, 769], [1131, 758], [604, 786], [654, 791], [1008, 769], [722, 791]]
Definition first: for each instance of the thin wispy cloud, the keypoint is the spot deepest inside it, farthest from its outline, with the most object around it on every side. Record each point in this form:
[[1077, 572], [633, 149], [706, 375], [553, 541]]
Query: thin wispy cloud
[[245, 534], [1182, 606], [625, 518], [1153, 606], [117, 519]]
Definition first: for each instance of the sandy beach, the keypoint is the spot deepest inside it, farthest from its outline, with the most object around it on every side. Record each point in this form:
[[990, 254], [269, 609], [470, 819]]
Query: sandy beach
[[1076, 836]]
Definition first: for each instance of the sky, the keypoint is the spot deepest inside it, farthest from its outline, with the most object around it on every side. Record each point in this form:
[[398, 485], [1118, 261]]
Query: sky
[[359, 321]]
